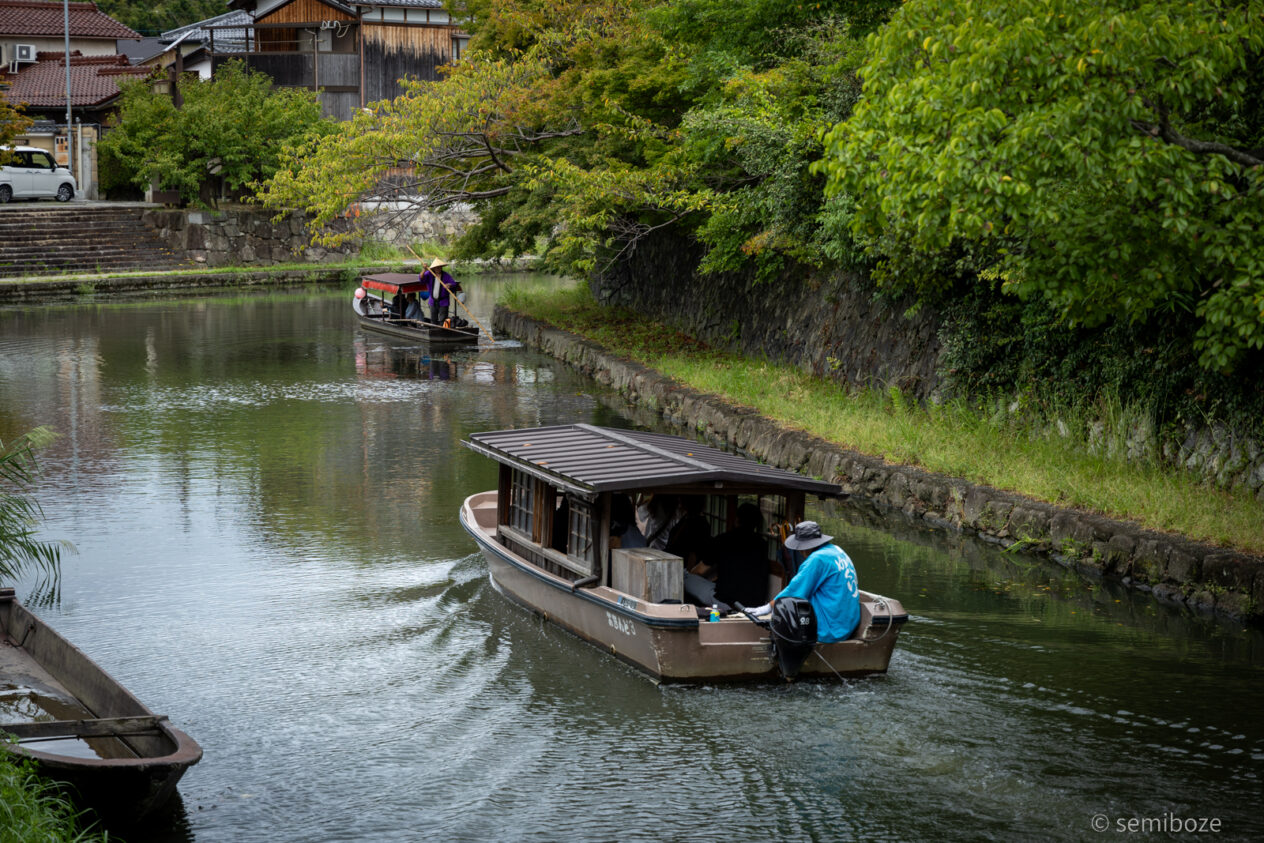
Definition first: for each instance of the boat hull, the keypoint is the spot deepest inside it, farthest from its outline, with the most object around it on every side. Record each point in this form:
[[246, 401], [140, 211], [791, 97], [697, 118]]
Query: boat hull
[[667, 640], [136, 759], [412, 329]]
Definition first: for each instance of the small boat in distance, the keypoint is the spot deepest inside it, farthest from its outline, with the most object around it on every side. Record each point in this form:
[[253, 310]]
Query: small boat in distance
[[546, 535], [80, 726], [374, 312]]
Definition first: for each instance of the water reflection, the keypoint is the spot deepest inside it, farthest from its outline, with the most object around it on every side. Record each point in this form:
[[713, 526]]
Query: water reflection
[[264, 498]]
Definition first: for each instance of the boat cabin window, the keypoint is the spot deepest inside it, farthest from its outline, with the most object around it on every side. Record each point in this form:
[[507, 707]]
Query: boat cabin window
[[548, 527], [521, 498], [579, 544]]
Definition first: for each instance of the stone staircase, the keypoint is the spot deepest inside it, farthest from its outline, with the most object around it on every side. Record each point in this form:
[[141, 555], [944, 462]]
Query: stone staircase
[[38, 238]]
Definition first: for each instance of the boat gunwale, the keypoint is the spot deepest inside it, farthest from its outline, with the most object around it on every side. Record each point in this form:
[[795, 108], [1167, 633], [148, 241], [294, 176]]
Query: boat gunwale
[[481, 538], [485, 542], [186, 751], [450, 336]]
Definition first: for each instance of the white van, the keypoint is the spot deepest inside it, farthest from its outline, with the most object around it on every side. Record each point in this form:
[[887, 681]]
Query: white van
[[32, 174]]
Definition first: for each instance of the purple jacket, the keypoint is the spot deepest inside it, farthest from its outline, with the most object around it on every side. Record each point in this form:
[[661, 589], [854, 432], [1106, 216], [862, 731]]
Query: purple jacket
[[438, 294]]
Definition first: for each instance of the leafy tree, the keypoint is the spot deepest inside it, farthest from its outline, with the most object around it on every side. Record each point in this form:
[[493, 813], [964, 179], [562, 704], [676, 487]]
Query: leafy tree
[[12, 123], [231, 127], [581, 127], [1108, 157], [439, 143], [150, 18], [19, 512]]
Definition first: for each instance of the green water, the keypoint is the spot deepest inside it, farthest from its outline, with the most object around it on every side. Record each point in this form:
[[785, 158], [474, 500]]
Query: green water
[[264, 498]]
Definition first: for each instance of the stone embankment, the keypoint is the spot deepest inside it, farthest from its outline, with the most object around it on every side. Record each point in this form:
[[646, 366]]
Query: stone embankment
[[1173, 568]]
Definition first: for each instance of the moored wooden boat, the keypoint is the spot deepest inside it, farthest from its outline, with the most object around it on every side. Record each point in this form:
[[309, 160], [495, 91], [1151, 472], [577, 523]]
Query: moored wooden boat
[[625, 600], [374, 314], [82, 727]]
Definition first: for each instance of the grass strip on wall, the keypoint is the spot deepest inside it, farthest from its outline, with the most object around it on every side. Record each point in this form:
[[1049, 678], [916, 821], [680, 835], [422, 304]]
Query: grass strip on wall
[[1026, 455]]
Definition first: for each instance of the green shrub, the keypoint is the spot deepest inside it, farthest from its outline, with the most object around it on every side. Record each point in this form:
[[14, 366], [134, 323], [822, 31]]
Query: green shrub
[[32, 808]]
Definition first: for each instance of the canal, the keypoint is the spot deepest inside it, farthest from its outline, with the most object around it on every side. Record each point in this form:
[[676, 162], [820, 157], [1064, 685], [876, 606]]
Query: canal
[[263, 503]]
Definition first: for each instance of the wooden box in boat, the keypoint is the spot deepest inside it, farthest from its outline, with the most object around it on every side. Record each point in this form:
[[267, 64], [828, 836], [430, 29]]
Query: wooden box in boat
[[80, 725], [668, 640]]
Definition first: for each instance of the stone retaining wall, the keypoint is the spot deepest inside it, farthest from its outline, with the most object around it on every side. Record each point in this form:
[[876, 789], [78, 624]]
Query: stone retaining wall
[[241, 236], [42, 290], [1172, 568], [836, 327], [248, 236]]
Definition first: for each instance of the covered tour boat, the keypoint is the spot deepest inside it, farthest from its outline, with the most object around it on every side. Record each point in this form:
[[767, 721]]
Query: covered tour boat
[[546, 534], [372, 305]]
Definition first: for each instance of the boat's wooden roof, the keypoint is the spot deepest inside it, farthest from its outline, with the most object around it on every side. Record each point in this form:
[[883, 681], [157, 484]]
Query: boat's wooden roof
[[589, 460], [393, 282]]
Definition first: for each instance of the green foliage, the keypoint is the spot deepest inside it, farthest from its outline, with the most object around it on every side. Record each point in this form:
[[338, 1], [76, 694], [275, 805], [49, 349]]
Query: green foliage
[[150, 17], [583, 126], [1012, 451], [1001, 347], [438, 143], [1105, 158], [20, 514], [13, 122], [32, 808], [230, 128]]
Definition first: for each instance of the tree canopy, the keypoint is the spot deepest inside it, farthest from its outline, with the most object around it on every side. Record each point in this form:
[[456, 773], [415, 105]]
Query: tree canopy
[[1107, 157], [12, 123], [231, 127], [583, 126], [1102, 158]]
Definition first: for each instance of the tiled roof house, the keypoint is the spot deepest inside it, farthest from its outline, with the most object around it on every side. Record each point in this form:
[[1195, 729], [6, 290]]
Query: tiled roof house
[[32, 56], [36, 26], [94, 83]]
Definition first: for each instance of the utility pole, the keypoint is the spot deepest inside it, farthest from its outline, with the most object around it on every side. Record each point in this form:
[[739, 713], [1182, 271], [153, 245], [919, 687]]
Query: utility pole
[[70, 150]]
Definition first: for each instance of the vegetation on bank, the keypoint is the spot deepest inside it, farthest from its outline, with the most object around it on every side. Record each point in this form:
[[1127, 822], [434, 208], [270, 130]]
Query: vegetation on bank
[[1064, 180], [32, 808], [225, 135], [1027, 454]]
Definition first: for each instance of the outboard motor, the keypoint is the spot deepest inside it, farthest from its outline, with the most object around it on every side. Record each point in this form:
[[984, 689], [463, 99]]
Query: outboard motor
[[793, 627]]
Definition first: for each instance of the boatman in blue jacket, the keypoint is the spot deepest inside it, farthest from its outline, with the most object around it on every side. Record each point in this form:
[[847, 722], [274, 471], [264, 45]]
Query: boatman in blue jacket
[[826, 579]]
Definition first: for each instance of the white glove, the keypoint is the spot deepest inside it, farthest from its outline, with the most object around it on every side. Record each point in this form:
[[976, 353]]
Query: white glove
[[760, 611]]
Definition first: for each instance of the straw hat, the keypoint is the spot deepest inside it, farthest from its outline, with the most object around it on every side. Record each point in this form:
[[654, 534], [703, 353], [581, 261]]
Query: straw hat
[[438, 263]]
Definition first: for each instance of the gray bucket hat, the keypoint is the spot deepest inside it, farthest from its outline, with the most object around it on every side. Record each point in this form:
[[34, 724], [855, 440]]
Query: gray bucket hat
[[807, 535]]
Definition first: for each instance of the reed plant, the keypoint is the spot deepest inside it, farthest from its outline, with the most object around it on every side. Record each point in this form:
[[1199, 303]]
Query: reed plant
[[33, 808], [1070, 456]]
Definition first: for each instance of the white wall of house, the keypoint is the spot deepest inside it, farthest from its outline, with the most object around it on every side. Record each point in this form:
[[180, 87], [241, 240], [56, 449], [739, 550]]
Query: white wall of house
[[87, 46]]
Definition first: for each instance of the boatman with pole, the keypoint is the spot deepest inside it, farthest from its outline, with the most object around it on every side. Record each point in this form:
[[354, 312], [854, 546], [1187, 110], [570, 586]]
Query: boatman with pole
[[442, 288], [827, 580]]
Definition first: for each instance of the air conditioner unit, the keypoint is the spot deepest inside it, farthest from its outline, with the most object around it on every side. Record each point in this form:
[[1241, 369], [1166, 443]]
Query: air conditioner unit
[[24, 52]]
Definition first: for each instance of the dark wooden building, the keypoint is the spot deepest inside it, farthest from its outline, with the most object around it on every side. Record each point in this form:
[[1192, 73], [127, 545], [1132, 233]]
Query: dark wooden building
[[354, 52]]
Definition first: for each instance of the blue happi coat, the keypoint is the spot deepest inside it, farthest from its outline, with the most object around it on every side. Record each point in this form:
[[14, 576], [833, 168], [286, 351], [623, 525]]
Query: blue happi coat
[[827, 579]]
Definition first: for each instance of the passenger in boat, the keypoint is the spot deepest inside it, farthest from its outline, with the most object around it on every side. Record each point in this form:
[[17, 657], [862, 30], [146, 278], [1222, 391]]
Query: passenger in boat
[[398, 305], [413, 310], [442, 287], [827, 579], [691, 534], [739, 560], [656, 515], [623, 529], [561, 524]]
